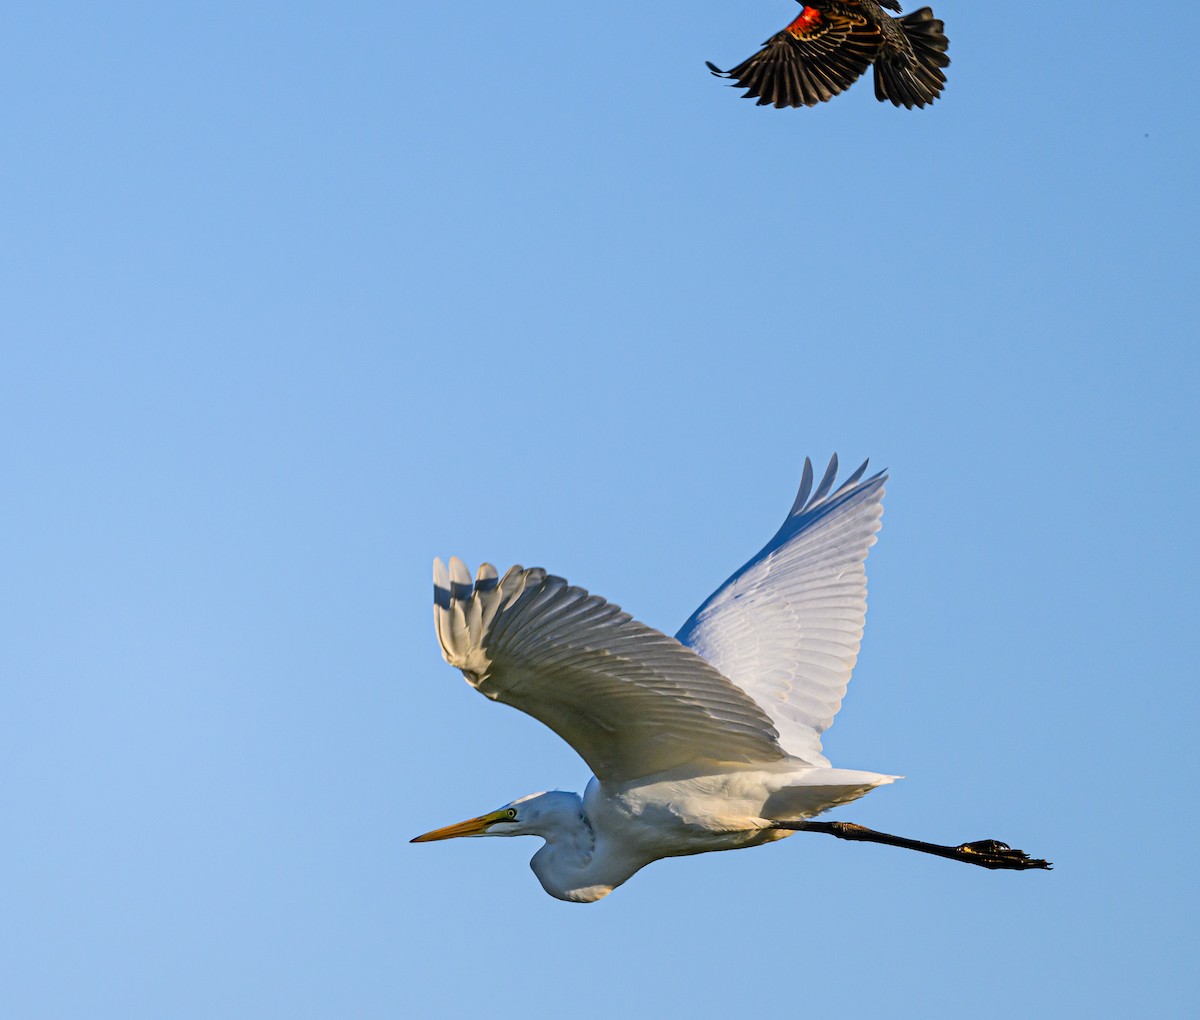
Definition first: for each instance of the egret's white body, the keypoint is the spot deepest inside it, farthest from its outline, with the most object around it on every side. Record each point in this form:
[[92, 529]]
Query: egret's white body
[[597, 842], [707, 741]]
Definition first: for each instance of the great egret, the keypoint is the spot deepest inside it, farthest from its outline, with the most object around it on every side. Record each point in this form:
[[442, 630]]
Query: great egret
[[707, 741], [832, 42]]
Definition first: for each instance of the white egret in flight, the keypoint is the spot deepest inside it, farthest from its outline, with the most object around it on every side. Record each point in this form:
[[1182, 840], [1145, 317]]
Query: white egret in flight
[[710, 740]]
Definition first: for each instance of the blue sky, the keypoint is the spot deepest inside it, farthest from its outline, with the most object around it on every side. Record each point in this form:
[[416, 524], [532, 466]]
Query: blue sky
[[296, 297]]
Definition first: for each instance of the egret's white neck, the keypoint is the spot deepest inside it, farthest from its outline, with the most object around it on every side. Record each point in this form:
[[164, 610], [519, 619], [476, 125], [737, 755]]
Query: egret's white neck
[[574, 864]]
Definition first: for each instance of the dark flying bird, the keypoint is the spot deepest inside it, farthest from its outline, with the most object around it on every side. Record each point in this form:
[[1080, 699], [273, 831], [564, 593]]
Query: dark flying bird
[[832, 42]]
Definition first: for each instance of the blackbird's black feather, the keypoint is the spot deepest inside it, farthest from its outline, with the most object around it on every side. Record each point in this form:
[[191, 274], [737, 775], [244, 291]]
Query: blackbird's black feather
[[832, 43]]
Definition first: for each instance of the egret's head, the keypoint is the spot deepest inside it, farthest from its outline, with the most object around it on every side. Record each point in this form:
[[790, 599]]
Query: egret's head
[[526, 816]]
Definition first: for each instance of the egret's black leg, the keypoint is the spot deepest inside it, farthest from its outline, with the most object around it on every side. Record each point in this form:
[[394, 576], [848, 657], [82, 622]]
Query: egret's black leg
[[986, 853]]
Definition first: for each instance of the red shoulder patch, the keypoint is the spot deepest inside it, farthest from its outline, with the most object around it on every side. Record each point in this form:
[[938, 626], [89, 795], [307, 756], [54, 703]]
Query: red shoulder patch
[[809, 18]]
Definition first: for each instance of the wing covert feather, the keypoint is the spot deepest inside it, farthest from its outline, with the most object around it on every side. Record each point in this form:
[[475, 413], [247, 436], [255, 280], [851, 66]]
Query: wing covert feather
[[786, 627], [631, 700]]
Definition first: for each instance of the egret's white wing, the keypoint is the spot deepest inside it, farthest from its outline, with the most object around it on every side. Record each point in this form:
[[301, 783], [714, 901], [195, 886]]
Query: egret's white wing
[[786, 627], [629, 699]]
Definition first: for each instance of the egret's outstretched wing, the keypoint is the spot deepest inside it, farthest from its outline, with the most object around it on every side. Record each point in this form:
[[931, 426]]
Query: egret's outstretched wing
[[786, 627], [629, 699]]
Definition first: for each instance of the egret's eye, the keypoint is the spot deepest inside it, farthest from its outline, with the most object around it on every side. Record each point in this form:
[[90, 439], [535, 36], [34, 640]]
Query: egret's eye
[[512, 812]]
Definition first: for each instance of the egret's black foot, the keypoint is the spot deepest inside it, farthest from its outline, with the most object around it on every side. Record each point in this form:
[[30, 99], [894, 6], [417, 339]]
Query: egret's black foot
[[991, 853]]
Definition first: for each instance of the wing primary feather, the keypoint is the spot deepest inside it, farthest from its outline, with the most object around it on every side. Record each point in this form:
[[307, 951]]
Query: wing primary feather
[[853, 478], [486, 577], [441, 584], [827, 481], [460, 579], [806, 480]]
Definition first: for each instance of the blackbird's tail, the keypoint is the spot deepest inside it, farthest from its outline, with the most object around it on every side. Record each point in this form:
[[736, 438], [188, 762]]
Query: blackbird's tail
[[915, 79]]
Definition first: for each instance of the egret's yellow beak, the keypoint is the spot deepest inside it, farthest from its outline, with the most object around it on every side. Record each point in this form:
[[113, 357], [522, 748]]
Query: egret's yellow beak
[[471, 827]]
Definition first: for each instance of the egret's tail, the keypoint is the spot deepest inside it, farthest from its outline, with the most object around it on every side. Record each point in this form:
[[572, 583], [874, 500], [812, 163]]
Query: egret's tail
[[915, 79], [812, 791]]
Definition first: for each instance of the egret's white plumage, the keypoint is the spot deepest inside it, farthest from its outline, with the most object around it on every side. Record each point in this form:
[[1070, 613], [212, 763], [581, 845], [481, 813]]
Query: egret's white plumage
[[786, 627], [707, 741]]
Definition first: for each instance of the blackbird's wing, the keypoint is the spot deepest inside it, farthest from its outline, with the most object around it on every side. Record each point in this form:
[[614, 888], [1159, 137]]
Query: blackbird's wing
[[820, 54]]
